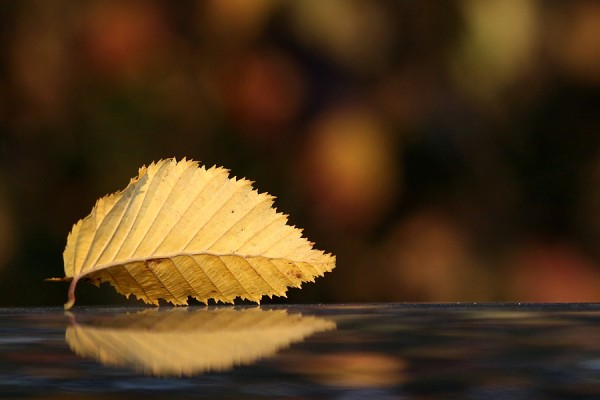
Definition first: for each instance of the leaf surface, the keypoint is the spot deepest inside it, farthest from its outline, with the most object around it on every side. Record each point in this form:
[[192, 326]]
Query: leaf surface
[[180, 230], [178, 342]]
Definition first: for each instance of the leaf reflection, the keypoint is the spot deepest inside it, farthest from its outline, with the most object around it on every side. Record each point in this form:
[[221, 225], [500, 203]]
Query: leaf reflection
[[179, 342]]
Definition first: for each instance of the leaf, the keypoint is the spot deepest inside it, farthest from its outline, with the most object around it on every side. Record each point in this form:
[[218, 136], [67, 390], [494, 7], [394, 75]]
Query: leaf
[[177, 342], [180, 230]]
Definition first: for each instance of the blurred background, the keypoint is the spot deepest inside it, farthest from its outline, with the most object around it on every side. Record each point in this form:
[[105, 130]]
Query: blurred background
[[443, 150]]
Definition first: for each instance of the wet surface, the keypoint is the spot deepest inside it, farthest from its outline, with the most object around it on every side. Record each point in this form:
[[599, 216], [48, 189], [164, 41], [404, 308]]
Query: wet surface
[[472, 351]]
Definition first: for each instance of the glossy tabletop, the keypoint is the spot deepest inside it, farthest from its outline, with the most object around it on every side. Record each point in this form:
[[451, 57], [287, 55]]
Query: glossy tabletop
[[372, 351]]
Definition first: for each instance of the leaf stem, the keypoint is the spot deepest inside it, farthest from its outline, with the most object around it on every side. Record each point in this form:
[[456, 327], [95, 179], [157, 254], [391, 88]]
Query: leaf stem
[[71, 301]]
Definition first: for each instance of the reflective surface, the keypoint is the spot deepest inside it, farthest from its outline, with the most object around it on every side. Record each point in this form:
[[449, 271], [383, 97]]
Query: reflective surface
[[391, 351]]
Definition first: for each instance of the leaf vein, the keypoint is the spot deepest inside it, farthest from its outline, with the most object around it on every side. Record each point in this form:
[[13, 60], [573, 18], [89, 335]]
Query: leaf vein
[[182, 215], [207, 277], [259, 274], [112, 236], [149, 267], [233, 224], [192, 289], [232, 274], [217, 211], [154, 178]]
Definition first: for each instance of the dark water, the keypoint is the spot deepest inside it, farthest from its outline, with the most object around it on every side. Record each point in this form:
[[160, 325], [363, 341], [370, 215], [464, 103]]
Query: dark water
[[397, 351]]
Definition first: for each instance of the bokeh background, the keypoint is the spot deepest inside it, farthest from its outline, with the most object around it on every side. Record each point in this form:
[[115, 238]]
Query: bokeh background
[[443, 150]]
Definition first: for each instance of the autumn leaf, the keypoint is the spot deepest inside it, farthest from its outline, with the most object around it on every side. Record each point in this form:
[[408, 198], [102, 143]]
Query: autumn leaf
[[179, 342], [180, 230]]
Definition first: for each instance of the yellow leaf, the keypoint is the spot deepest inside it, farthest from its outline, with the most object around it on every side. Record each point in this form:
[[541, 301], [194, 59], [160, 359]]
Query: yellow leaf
[[177, 342], [180, 230]]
